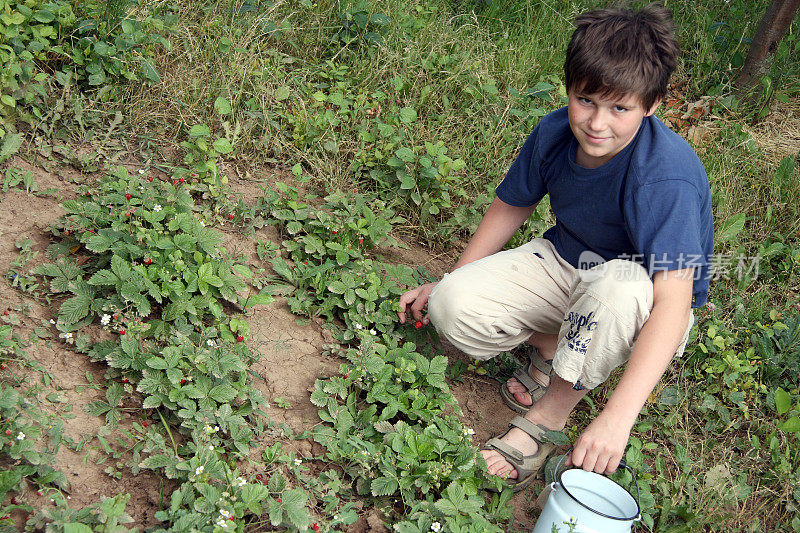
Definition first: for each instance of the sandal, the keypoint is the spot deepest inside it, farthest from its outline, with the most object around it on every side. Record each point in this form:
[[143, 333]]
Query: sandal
[[523, 375], [527, 466]]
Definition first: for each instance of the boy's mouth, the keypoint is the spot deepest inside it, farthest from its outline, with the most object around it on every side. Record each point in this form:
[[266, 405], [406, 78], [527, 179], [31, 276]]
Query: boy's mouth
[[595, 140]]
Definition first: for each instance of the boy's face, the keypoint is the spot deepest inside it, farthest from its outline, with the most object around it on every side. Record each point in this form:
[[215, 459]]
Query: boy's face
[[603, 125]]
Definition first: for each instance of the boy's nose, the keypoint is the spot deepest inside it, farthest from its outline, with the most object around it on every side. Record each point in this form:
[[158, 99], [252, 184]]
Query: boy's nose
[[597, 120]]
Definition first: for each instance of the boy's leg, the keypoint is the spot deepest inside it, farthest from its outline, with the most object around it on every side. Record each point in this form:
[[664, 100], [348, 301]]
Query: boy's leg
[[545, 344], [607, 308], [496, 303], [552, 411]]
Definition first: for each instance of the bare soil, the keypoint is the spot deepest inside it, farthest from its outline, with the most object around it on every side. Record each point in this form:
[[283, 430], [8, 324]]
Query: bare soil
[[289, 351]]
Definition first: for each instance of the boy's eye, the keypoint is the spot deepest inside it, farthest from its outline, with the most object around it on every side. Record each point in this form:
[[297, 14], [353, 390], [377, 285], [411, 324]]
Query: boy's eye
[[620, 109], [584, 100]]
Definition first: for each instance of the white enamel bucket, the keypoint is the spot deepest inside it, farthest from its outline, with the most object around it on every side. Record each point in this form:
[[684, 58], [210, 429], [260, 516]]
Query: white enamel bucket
[[586, 502]]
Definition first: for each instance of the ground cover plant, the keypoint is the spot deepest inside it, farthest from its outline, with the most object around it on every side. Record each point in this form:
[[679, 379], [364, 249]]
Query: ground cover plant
[[236, 195]]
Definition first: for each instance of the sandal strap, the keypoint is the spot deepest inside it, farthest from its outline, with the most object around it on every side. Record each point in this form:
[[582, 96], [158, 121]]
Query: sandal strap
[[521, 374], [536, 359], [513, 455], [536, 431]]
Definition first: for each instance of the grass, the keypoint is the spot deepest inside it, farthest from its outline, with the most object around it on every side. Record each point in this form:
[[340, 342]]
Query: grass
[[335, 90]]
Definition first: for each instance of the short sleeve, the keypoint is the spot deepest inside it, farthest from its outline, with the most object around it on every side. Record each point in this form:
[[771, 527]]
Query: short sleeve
[[665, 226], [523, 185]]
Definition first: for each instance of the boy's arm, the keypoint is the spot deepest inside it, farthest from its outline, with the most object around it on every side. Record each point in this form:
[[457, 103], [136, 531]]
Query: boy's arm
[[497, 226], [602, 444]]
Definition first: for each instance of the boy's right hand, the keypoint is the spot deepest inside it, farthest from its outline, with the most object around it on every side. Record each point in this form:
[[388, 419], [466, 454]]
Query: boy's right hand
[[414, 301]]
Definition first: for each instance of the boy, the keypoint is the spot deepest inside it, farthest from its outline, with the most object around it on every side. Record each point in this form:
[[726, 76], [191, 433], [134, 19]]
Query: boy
[[615, 279]]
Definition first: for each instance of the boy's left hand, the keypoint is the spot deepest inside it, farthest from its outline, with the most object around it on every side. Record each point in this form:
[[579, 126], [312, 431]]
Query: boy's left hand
[[601, 445]]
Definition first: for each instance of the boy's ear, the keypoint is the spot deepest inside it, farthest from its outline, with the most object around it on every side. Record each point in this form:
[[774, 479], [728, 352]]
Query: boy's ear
[[653, 108]]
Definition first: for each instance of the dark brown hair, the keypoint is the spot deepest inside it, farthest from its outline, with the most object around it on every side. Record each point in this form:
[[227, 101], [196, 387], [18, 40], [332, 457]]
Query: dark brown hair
[[618, 51]]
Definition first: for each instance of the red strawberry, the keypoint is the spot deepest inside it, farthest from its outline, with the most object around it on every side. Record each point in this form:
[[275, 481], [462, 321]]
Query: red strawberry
[[5, 312], [239, 338], [66, 232], [127, 196], [150, 179], [231, 216], [2, 366], [346, 376], [418, 324], [231, 518], [315, 527], [122, 332], [334, 232], [278, 500], [361, 241], [126, 214], [183, 382], [259, 477], [194, 174], [145, 424], [175, 182], [181, 180], [124, 380], [116, 316], [147, 260], [8, 432]]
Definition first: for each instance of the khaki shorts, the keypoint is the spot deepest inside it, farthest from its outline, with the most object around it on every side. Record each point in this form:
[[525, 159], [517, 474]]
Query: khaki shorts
[[496, 303]]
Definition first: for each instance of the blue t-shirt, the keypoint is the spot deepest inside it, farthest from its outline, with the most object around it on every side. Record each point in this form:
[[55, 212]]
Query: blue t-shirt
[[651, 203]]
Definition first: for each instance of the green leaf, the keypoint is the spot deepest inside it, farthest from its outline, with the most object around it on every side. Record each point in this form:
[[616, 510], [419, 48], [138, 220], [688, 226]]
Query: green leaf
[[407, 116], [730, 228], [405, 154], [208, 239], [76, 527], [11, 145], [559, 438], [223, 146], [151, 402], [282, 93], [223, 393], [294, 501], [262, 298], [447, 507], [103, 278], [783, 401], [791, 425], [222, 106], [114, 394], [200, 130], [384, 486], [337, 287], [74, 309], [150, 72]]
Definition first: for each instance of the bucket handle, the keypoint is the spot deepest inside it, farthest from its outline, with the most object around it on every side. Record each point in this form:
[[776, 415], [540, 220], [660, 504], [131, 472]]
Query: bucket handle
[[622, 463]]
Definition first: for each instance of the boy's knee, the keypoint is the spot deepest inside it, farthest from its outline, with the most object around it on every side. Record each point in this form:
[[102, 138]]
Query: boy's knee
[[621, 282], [445, 306], [450, 308]]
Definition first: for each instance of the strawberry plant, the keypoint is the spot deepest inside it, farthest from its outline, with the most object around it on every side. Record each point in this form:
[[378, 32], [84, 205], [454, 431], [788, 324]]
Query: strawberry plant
[[390, 425]]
